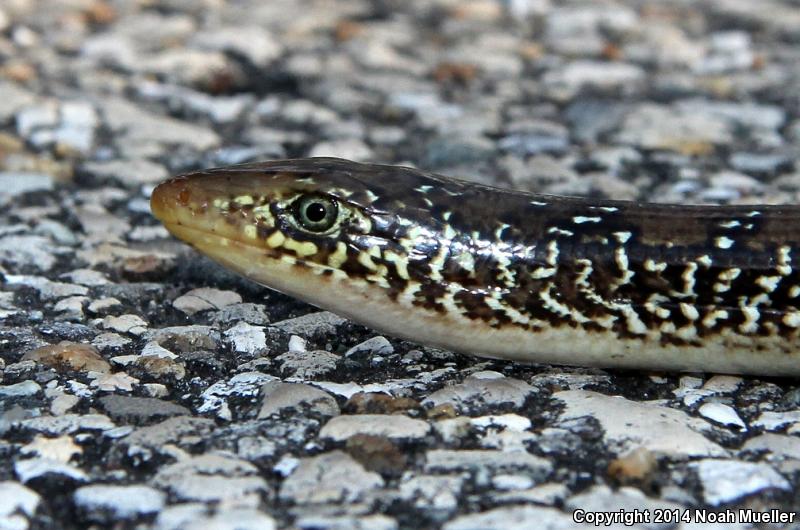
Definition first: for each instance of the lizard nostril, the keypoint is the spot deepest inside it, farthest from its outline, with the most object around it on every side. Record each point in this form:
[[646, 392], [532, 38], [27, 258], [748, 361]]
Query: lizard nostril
[[183, 196]]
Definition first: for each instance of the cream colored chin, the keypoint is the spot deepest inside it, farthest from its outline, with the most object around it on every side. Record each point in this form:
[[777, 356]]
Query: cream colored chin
[[368, 305]]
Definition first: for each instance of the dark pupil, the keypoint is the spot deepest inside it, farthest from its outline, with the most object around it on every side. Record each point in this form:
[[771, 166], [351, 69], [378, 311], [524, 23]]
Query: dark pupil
[[315, 212]]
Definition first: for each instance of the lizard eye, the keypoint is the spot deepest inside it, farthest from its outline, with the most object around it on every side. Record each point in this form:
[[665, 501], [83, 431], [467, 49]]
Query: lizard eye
[[315, 213]]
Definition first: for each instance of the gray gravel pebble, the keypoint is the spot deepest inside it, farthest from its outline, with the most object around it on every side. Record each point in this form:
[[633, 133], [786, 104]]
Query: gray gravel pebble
[[322, 322], [278, 397], [35, 252], [331, 477], [305, 365], [68, 423], [41, 468], [210, 478], [173, 431], [439, 493], [22, 389], [629, 424], [47, 289], [483, 388], [21, 183], [724, 481], [140, 409], [777, 445], [204, 299], [250, 313], [375, 345], [17, 503], [103, 502], [245, 338], [391, 426], [127, 172]]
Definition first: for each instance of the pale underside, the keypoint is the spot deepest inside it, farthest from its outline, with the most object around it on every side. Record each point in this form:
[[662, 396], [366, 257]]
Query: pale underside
[[366, 303]]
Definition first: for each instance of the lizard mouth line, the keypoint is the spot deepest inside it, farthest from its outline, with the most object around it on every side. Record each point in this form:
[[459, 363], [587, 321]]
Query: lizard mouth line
[[178, 227], [212, 243]]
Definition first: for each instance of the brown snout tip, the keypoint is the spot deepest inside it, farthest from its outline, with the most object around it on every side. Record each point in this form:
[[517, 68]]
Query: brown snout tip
[[174, 193]]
